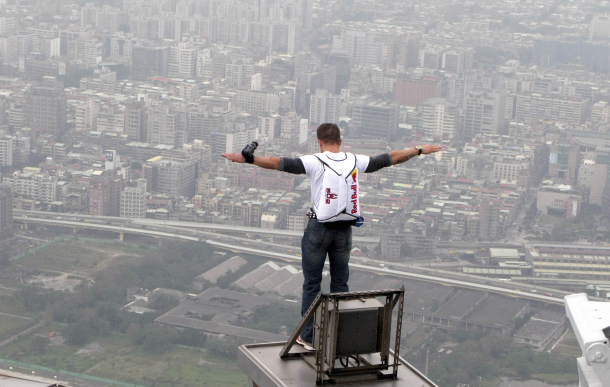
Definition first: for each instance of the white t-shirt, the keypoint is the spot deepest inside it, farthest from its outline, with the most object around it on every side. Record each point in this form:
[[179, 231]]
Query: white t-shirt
[[315, 170]]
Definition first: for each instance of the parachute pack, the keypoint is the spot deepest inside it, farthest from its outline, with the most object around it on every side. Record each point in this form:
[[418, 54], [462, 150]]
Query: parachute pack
[[338, 199]]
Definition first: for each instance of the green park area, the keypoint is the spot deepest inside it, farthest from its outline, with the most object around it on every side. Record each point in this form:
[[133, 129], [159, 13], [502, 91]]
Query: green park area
[[479, 358], [11, 304], [115, 357], [568, 345], [78, 256], [12, 324], [93, 335]]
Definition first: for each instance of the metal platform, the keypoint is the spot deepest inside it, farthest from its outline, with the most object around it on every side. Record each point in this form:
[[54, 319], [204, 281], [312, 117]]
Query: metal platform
[[262, 364]]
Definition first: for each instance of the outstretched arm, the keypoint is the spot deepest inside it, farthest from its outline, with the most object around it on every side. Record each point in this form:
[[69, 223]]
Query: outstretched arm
[[401, 156], [266, 162]]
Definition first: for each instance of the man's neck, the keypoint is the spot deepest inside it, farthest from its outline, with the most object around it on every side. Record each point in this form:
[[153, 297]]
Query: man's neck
[[331, 149]]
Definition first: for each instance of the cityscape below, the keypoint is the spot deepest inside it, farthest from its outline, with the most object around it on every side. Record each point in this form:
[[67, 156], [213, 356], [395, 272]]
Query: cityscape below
[[132, 253]]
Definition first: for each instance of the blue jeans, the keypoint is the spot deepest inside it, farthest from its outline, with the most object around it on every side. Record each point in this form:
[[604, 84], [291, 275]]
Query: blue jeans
[[319, 240]]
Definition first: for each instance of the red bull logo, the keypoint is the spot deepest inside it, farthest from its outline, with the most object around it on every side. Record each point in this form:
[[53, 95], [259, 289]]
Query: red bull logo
[[354, 188]]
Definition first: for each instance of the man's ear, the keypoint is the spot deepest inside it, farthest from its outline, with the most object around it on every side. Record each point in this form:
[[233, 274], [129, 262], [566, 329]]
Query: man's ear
[[340, 142]]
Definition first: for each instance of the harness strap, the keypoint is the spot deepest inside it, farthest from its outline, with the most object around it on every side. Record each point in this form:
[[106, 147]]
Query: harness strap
[[327, 165]]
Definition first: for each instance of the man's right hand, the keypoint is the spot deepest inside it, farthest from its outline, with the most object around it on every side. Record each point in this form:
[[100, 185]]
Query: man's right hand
[[404, 155], [426, 149], [234, 157]]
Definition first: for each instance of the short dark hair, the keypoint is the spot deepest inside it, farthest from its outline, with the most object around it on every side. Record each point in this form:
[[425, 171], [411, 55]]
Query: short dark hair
[[329, 134]]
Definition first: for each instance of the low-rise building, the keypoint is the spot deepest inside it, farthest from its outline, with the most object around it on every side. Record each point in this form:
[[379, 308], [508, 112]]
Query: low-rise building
[[561, 200], [542, 329], [569, 261]]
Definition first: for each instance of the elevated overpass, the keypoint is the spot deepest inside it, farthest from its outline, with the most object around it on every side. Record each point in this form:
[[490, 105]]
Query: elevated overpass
[[402, 274], [18, 216], [178, 234]]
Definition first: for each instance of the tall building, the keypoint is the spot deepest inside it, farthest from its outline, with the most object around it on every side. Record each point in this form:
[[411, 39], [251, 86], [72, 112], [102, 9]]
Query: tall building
[[165, 125], [305, 13], [414, 91], [21, 148], [599, 28], [270, 126], [489, 216], [7, 25], [231, 141], [324, 78], [432, 57], [257, 101], [600, 112], [133, 201], [509, 169], [46, 107], [375, 119], [407, 51], [175, 178], [293, 129], [9, 49], [6, 151], [457, 60], [324, 107], [569, 110], [149, 62], [105, 194], [182, 61], [202, 122], [343, 67], [440, 118], [484, 113], [6, 210], [240, 75], [87, 50], [361, 46], [85, 117], [119, 49], [135, 120], [256, 82]]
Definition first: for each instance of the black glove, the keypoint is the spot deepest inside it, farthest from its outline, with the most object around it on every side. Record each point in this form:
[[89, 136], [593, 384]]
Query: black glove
[[248, 152]]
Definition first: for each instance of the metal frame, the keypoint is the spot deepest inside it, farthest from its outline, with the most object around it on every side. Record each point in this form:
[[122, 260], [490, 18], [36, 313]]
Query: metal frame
[[324, 306]]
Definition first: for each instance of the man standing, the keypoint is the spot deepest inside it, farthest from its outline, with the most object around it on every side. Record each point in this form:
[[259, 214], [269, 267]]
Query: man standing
[[336, 206]]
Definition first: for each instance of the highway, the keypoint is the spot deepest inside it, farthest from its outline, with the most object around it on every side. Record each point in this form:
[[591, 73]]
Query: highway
[[242, 245], [17, 214]]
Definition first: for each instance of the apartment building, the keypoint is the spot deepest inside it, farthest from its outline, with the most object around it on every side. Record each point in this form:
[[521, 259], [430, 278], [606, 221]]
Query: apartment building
[[46, 107], [569, 110], [6, 210], [105, 194], [32, 184], [440, 118], [172, 177], [375, 118], [484, 113], [133, 201], [324, 107]]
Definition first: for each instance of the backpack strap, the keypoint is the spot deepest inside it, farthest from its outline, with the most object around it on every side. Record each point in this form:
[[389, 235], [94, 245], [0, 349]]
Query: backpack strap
[[352, 171], [327, 165]]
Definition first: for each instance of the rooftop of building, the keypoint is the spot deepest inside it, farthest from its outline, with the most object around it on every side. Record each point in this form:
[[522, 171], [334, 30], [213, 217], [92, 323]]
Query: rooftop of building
[[540, 325], [497, 311], [215, 309], [460, 305]]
